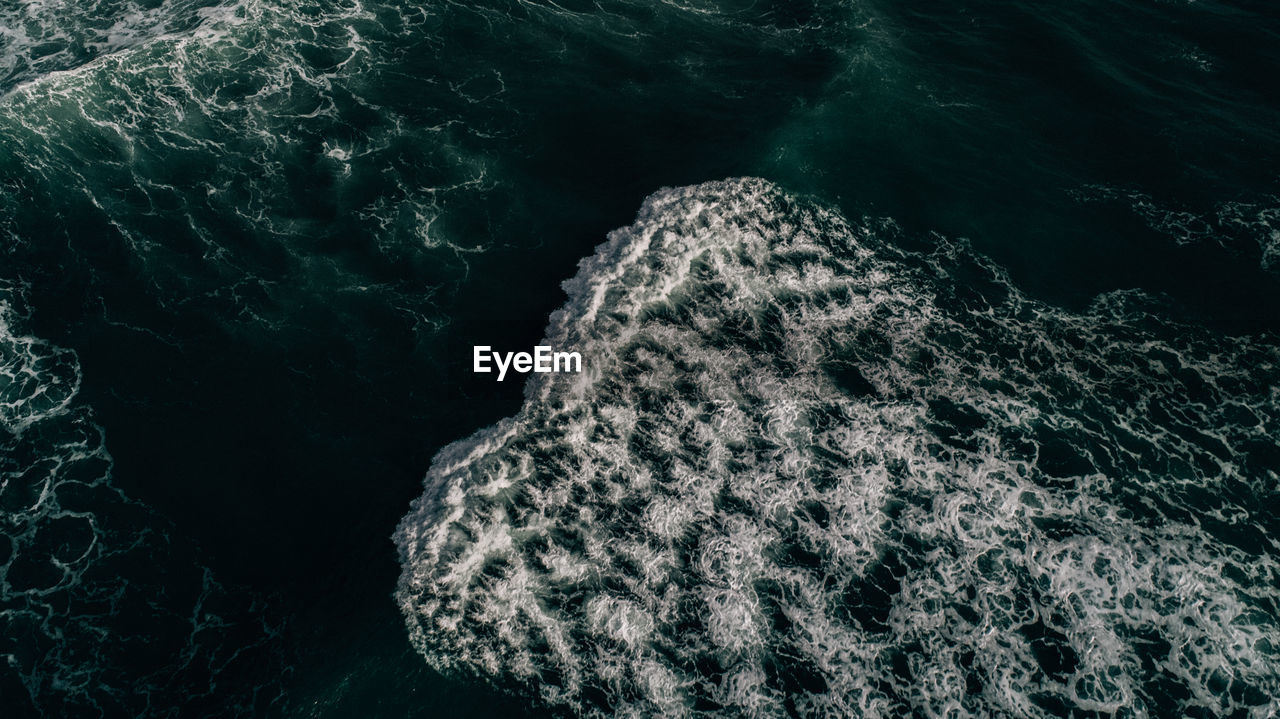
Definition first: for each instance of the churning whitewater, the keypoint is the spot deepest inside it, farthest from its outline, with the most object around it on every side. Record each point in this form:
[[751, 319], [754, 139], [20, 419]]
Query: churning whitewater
[[807, 473]]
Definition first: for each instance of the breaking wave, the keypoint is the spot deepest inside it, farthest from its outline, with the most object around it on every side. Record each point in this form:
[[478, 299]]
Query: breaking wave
[[807, 473], [45, 36]]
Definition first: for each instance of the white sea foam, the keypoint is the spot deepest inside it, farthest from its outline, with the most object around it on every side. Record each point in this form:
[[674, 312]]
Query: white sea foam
[[263, 87], [37, 379], [1237, 225], [810, 474], [52, 36], [1261, 221]]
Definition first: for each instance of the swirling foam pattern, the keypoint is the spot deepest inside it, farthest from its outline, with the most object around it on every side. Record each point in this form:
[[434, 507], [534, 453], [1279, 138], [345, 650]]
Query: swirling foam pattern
[[101, 612], [805, 473], [260, 162], [47, 36]]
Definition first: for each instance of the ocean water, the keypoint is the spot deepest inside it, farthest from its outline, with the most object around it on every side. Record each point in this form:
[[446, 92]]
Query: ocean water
[[932, 363], [806, 474]]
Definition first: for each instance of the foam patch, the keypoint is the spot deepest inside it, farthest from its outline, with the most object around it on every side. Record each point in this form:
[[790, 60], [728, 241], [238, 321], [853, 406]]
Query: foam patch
[[806, 473]]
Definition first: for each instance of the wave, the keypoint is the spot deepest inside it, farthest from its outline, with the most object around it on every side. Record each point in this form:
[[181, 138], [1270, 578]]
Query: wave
[[39, 38], [807, 473], [88, 626], [1248, 228], [271, 151]]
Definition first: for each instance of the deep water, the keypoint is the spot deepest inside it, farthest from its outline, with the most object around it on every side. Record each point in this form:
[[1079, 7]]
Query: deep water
[[247, 246]]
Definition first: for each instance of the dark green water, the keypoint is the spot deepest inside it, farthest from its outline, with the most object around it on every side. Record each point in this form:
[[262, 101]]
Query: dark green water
[[248, 246]]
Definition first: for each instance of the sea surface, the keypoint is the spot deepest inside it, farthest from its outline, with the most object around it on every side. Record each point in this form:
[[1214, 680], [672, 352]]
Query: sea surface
[[932, 358]]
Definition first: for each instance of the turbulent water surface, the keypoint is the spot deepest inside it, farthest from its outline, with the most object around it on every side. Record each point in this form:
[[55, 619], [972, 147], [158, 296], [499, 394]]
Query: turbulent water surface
[[807, 474], [968, 407]]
